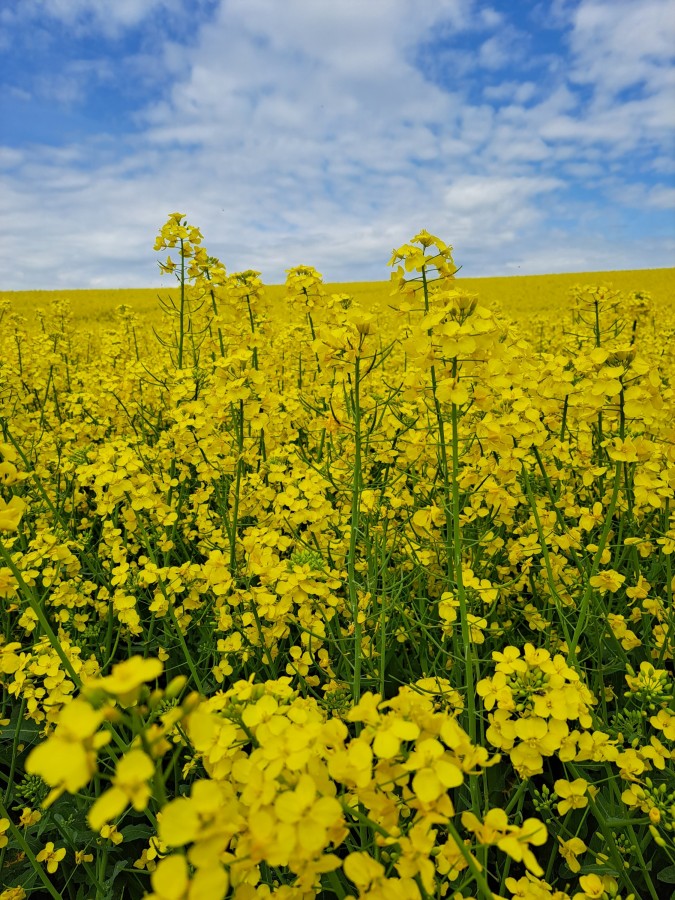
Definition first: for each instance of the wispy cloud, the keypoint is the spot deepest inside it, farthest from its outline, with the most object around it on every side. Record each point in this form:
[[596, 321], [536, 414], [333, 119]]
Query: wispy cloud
[[327, 133], [87, 16]]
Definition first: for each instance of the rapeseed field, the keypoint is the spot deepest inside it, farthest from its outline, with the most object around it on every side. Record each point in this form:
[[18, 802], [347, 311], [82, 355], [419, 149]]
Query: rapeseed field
[[338, 591]]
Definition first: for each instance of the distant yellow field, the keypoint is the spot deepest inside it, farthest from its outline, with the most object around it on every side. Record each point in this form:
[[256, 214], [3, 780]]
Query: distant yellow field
[[518, 294]]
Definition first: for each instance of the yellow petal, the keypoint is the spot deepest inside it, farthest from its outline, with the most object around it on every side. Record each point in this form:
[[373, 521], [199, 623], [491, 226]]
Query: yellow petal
[[449, 774], [108, 806], [11, 513], [134, 768], [208, 884], [427, 785], [179, 823], [386, 744], [60, 763], [170, 878]]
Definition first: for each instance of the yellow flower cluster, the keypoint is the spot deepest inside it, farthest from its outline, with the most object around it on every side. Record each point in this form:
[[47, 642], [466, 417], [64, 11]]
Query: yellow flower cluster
[[534, 695], [344, 591]]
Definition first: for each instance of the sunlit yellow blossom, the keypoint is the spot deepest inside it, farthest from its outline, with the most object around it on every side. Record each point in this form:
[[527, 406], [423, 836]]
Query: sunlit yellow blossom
[[110, 833], [609, 580], [570, 849], [592, 888], [67, 760], [573, 794], [516, 844], [170, 879], [8, 583], [127, 678], [362, 869], [11, 513], [29, 817], [130, 786], [14, 893], [50, 856], [665, 720]]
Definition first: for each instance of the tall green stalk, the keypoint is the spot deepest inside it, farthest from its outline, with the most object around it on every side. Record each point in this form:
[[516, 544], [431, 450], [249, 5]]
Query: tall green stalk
[[181, 310], [353, 530]]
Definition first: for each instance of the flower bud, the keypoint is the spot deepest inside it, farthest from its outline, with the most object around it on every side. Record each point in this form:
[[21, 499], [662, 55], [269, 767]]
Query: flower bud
[[175, 686]]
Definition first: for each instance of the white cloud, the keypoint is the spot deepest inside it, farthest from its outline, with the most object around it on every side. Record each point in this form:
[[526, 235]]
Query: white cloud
[[623, 43], [644, 196], [617, 47], [474, 193], [494, 53], [518, 91], [303, 131], [72, 84], [491, 213], [106, 17], [490, 17], [588, 252]]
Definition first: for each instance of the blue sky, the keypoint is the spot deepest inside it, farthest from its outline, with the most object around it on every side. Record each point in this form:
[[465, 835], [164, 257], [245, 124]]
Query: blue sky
[[533, 136]]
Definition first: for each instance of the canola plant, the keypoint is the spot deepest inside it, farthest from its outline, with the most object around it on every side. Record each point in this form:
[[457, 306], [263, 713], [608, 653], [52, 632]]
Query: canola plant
[[356, 593]]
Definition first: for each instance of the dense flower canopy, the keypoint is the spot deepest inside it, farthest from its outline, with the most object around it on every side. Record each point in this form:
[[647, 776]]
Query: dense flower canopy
[[330, 596]]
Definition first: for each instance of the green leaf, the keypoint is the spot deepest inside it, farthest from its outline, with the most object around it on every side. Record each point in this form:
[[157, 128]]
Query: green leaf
[[29, 732], [667, 875], [136, 832]]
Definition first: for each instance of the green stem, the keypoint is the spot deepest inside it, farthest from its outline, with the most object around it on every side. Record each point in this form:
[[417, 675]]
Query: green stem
[[353, 530], [472, 863], [181, 311], [237, 489]]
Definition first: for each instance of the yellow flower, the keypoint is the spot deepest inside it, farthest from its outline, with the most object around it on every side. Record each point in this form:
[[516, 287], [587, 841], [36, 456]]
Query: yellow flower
[[539, 738], [185, 818], [435, 771], [8, 583], [513, 840], [509, 661], [352, 765], [493, 827], [130, 785], [516, 844], [362, 869], [4, 825], [569, 850], [391, 732], [664, 720], [110, 833], [51, 856], [11, 513], [208, 883], [592, 886], [29, 817], [310, 815], [495, 690], [609, 580], [13, 893], [127, 678], [573, 794], [170, 879], [66, 761]]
